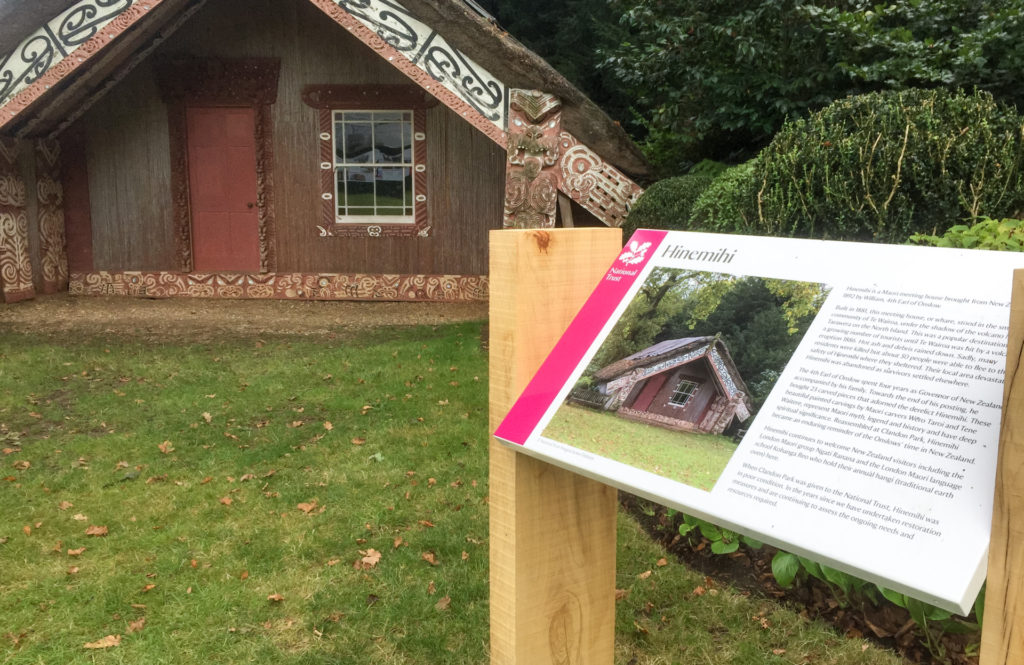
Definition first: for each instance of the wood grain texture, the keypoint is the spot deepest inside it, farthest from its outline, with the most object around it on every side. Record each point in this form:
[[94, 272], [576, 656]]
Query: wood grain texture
[[1002, 638], [552, 532]]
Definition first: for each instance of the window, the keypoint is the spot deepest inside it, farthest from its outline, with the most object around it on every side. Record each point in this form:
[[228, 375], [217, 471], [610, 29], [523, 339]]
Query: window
[[683, 392], [373, 166], [373, 159]]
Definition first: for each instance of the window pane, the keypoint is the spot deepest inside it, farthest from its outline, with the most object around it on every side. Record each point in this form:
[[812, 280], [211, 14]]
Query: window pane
[[391, 187], [389, 211], [387, 116], [339, 194], [358, 143], [407, 177], [356, 115], [360, 188], [388, 142]]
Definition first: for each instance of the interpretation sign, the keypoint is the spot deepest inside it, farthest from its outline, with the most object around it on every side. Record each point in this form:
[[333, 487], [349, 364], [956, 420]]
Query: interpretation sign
[[838, 400]]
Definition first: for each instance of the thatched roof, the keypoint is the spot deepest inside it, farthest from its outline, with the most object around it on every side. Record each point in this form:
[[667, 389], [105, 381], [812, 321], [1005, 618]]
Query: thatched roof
[[651, 355], [458, 22]]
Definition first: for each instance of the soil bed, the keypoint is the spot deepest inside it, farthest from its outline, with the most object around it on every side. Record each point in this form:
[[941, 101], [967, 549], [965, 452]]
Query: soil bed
[[750, 571]]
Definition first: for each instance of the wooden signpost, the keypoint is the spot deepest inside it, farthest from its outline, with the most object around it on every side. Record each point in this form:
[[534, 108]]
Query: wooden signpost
[[552, 543], [1002, 638], [552, 531]]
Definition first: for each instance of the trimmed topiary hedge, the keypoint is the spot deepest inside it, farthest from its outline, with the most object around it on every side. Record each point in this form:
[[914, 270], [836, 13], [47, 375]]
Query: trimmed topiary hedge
[[666, 204], [878, 167]]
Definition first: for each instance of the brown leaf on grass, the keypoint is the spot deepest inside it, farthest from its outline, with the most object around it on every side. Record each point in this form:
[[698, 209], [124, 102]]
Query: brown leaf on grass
[[27, 530], [358, 441], [79, 517], [77, 552], [148, 588], [370, 559], [59, 547], [328, 426], [426, 523], [121, 465], [136, 626], [104, 643], [97, 531], [621, 594], [166, 447], [156, 479], [699, 591], [307, 508], [194, 563], [333, 562], [247, 477], [269, 473], [661, 562], [443, 604], [207, 417], [9, 451], [644, 575], [275, 598], [397, 543], [21, 464], [206, 480], [73, 570], [431, 482], [430, 558], [226, 500], [778, 652], [244, 575], [64, 505], [296, 423], [431, 588], [465, 555]]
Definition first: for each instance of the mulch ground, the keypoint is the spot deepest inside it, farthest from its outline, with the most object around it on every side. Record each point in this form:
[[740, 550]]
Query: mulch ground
[[750, 571], [201, 320]]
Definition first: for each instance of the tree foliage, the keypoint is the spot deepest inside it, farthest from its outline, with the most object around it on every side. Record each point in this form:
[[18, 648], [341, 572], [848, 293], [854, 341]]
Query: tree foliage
[[718, 78]]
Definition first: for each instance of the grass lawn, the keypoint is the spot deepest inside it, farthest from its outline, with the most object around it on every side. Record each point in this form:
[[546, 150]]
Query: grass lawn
[[693, 459], [292, 500]]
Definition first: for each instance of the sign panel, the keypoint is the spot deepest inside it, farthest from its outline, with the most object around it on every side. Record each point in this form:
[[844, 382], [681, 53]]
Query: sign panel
[[837, 400]]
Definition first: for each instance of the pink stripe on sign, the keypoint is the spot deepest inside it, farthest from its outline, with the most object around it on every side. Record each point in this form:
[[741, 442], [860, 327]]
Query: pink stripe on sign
[[522, 419]]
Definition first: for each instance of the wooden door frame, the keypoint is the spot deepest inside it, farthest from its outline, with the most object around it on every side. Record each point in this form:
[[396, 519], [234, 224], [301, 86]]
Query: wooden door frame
[[237, 82]]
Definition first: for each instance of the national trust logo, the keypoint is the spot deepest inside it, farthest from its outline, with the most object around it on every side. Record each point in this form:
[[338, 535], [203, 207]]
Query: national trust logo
[[635, 253]]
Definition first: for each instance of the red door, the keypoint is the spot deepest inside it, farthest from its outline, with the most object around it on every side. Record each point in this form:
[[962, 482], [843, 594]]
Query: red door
[[222, 185], [646, 396]]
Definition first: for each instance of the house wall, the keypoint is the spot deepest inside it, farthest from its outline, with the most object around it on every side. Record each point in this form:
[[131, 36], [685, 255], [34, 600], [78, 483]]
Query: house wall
[[129, 163], [697, 372]]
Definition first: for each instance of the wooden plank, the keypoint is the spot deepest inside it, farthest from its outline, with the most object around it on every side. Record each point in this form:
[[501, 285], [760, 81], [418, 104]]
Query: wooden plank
[[552, 532], [1002, 638]]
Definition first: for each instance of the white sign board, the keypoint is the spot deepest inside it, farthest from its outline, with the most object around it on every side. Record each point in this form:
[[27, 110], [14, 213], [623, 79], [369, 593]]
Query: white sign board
[[867, 423]]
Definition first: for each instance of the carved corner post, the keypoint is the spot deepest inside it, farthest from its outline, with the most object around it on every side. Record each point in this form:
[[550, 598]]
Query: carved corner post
[[15, 265], [1002, 637], [531, 183], [50, 194], [552, 532]]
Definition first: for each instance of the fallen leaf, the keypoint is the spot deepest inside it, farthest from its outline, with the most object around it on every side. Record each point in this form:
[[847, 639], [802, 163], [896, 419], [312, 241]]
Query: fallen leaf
[[431, 482], [136, 626], [121, 465], [246, 477], [73, 570], [699, 591], [358, 441], [79, 517], [148, 588], [328, 426], [431, 588], [206, 480], [64, 505], [27, 530], [194, 563], [370, 559], [94, 530], [465, 555], [244, 575], [207, 417], [621, 594], [296, 423], [77, 552], [397, 543], [9, 451], [104, 643], [430, 558], [307, 508], [443, 604], [275, 598], [166, 447], [644, 575], [662, 562], [426, 523], [21, 464], [334, 562], [778, 652], [226, 500]]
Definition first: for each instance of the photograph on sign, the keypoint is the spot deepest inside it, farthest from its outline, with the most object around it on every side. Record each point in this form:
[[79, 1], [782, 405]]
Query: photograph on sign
[[837, 400]]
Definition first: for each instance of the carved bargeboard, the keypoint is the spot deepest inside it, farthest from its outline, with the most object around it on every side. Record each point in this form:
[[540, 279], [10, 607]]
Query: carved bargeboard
[[15, 266], [595, 184], [531, 181]]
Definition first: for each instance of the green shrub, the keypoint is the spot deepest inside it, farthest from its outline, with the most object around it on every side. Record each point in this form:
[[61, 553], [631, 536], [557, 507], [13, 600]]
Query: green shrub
[[883, 166], [729, 205], [997, 234], [666, 204]]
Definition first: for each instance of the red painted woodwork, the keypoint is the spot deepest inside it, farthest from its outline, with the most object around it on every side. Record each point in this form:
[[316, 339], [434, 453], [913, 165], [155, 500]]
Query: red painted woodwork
[[651, 388], [222, 189], [77, 208]]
